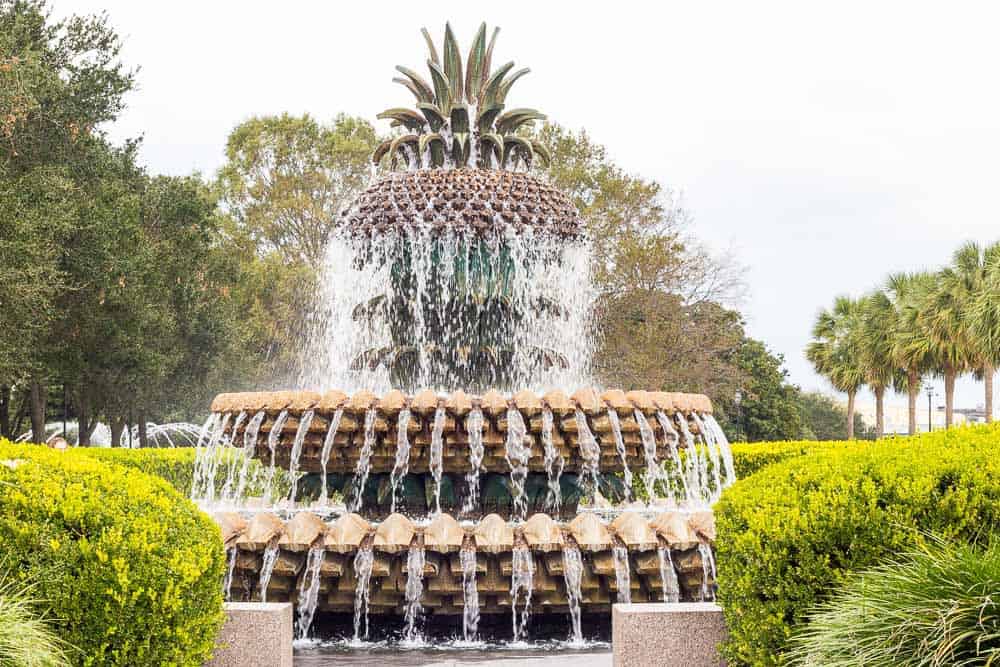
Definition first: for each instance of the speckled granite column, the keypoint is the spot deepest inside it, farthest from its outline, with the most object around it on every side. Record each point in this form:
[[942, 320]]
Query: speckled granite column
[[658, 635], [255, 635]]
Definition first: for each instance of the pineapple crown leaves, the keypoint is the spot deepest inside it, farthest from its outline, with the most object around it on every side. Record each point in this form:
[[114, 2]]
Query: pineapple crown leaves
[[460, 118]]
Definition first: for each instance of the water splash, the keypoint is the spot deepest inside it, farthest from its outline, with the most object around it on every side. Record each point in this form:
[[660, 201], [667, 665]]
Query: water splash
[[554, 463], [590, 453], [414, 590], [227, 583], [668, 576], [474, 427], [616, 431], [402, 464], [707, 572], [573, 576], [324, 457], [267, 568], [364, 462], [622, 574], [521, 583], [470, 595], [437, 453], [309, 590], [300, 437], [363, 562], [517, 453]]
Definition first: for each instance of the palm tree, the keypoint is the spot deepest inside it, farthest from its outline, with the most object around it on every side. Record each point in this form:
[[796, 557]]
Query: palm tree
[[835, 350], [974, 269], [877, 328], [909, 352], [945, 332]]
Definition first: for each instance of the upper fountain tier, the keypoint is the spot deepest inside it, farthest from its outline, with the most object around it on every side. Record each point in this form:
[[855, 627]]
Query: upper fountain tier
[[466, 200]]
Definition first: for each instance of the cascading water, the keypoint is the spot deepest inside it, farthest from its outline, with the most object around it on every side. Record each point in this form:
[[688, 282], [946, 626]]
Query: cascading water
[[331, 433], [437, 452], [554, 463], [517, 453], [402, 464], [266, 568], [590, 453], [272, 444], [653, 473], [205, 452], [673, 444], [364, 462], [622, 574], [712, 452], [668, 576], [707, 570], [300, 437], [227, 583], [696, 466], [724, 448], [470, 595], [573, 576], [521, 584], [474, 427], [419, 306], [363, 562], [233, 463], [414, 591], [249, 444], [616, 431], [309, 590]]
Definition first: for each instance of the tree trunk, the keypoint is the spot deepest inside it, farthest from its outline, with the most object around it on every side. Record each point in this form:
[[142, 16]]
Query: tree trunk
[[949, 396], [988, 381], [850, 415], [37, 412], [879, 412], [5, 413], [83, 427], [117, 428], [912, 393], [143, 436]]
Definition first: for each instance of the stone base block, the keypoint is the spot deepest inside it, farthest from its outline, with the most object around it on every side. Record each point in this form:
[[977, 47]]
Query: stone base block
[[255, 635], [685, 634]]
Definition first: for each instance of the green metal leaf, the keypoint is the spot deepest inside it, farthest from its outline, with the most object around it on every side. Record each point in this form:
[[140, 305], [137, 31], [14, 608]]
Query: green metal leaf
[[460, 148], [433, 115], [474, 65], [426, 92], [487, 116], [409, 86], [542, 152], [505, 86], [492, 86], [484, 74], [427, 138], [453, 64], [398, 143], [406, 117], [430, 45], [495, 140], [460, 117], [380, 151], [513, 145], [442, 88], [511, 120]]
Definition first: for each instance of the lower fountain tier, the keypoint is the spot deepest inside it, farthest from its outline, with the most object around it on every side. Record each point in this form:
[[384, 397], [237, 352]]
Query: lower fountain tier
[[300, 442], [684, 539]]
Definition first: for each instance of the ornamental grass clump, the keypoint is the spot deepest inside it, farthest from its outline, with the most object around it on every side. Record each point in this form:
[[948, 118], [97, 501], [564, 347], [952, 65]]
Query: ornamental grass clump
[[938, 606], [26, 639]]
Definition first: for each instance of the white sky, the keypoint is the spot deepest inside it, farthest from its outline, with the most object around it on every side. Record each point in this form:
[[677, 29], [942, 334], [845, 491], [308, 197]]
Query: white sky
[[827, 143]]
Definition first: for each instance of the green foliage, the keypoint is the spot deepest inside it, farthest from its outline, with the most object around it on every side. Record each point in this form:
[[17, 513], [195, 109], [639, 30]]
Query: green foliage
[[823, 418], [26, 639], [797, 529], [129, 567], [936, 607]]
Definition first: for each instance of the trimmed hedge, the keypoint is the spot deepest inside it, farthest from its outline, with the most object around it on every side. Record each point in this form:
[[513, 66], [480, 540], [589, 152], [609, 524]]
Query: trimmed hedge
[[795, 531], [175, 465], [128, 566]]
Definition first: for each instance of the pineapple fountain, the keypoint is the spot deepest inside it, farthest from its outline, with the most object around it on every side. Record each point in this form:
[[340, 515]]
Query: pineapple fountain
[[459, 271]]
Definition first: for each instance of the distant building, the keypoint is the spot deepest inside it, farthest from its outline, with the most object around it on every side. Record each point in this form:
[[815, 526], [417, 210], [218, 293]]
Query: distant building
[[897, 417]]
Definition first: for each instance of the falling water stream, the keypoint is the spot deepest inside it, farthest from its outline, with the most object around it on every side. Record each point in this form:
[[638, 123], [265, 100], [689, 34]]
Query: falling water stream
[[616, 431], [470, 595], [266, 568], [272, 444], [573, 576], [402, 464], [227, 583], [622, 574], [521, 583], [300, 437], [324, 457], [517, 453], [436, 464], [363, 562], [233, 462], [364, 462], [414, 591], [590, 453], [707, 570], [474, 427], [249, 445], [309, 589], [554, 462], [668, 576]]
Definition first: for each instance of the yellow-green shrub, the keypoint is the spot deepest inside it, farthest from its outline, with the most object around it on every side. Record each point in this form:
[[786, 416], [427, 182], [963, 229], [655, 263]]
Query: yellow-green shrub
[[128, 566], [796, 530]]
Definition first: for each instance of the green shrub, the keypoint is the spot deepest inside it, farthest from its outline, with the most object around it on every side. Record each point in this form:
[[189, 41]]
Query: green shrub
[[793, 532], [176, 465], [130, 567], [26, 640], [938, 607]]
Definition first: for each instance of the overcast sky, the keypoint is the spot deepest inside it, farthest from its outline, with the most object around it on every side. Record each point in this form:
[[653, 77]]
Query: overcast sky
[[828, 144]]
